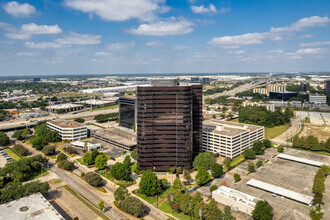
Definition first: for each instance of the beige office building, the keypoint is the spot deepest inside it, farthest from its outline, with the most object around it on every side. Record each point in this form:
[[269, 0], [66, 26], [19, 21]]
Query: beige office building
[[69, 130], [229, 139]]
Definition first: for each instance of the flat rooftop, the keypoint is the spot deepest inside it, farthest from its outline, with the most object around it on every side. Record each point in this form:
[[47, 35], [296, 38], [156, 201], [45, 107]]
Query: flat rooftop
[[301, 160], [280, 191], [228, 128], [33, 207], [66, 124], [117, 135], [64, 106]]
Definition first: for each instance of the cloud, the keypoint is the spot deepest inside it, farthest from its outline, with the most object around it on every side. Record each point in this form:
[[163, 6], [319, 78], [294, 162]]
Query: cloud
[[154, 44], [163, 28], [275, 51], [274, 34], [237, 52], [224, 10], [102, 53], [68, 41], [27, 30], [120, 46], [238, 40], [19, 10], [24, 53], [179, 47], [201, 9], [306, 51], [313, 44], [119, 10]]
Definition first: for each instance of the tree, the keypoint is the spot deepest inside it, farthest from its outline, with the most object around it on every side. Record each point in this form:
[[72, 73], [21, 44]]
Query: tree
[[94, 155], [262, 211], [38, 142], [200, 208], [79, 120], [60, 157], [185, 205], [227, 213], [202, 176], [88, 159], [65, 164], [21, 134], [115, 170], [100, 161], [237, 177], [259, 163], [267, 143], [21, 150], [204, 159], [101, 205], [127, 160], [177, 185], [327, 145], [70, 150], [251, 167], [213, 187], [134, 154], [227, 162], [257, 147], [133, 206], [49, 150], [213, 211], [93, 179], [148, 184], [280, 149], [216, 170], [120, 194], [249, 154], [4, 139], [164, 184]]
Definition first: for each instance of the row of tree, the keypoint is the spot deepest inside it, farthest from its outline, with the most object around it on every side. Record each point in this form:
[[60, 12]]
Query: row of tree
[[259, 115], [62, 162], [106, 117], [4, 114], [43, 136], [122, 171], [130, 204], [96, 159], [258, 148], [22, 134], [311, 143]]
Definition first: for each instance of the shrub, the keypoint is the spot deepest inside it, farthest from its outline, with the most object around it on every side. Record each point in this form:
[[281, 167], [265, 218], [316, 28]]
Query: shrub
[[133, 206], [93, 179], [82, 175], [65, 164], [172, 169], [213, 187], [120, 194], [259, 163], [251, 167], [79, 120], [70, 150], [21, 150], [280, 149], [60, 157], [49, 150], [237, 177]]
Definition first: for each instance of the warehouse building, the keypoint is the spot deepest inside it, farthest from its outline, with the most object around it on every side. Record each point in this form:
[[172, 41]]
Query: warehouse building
[[229, 139], [64, 108], [69, 130]]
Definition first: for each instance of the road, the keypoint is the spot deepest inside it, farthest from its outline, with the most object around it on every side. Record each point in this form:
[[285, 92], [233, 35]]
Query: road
[[232, 92], [21, 123]]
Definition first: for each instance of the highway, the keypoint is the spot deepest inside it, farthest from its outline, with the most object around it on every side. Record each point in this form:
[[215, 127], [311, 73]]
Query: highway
[[22, 123]]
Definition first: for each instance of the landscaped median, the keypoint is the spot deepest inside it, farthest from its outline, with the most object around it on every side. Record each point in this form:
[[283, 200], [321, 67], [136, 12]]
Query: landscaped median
[[12, 154], [88, 203]]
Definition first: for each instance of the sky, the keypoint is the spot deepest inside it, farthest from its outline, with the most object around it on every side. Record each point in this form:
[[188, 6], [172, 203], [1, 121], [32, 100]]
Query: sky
[[50, 37]]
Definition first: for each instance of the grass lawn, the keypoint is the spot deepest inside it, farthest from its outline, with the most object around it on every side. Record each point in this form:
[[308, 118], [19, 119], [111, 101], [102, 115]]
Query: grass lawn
[[112, 179], [236, 160], [235, 120], [66, 153], [163, 204], [80, 160], [12, 154], [107, 107], [44, 173], [275, 131]]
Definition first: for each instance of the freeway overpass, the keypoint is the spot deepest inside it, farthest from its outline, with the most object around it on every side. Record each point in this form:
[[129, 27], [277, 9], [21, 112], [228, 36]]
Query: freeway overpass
[[22, 123]]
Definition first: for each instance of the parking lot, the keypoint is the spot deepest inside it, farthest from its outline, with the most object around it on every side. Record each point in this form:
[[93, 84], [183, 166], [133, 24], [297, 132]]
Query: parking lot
[[4, 158], [287, 174]]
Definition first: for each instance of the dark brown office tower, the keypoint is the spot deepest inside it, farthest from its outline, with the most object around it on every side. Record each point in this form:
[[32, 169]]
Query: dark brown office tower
[[169, 124], [327, 86]]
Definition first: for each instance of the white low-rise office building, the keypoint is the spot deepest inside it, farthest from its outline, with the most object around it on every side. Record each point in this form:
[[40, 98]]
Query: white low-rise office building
[[230, 139], [69, 130], [317, 98]]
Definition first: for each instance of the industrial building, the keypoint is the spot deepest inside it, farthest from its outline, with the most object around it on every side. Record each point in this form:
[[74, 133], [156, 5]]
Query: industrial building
[[317, 98], [32, 207], [116, 137], [127, 111], [230, 139], [169, 124], [108, 89], [68, 130], [284, 96], [237, 200], [64, 107]]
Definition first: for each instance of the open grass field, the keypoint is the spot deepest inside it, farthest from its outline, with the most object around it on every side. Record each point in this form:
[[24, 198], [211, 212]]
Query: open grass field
[[12, 154], [107, 107], [276, 131], [321, 132]]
